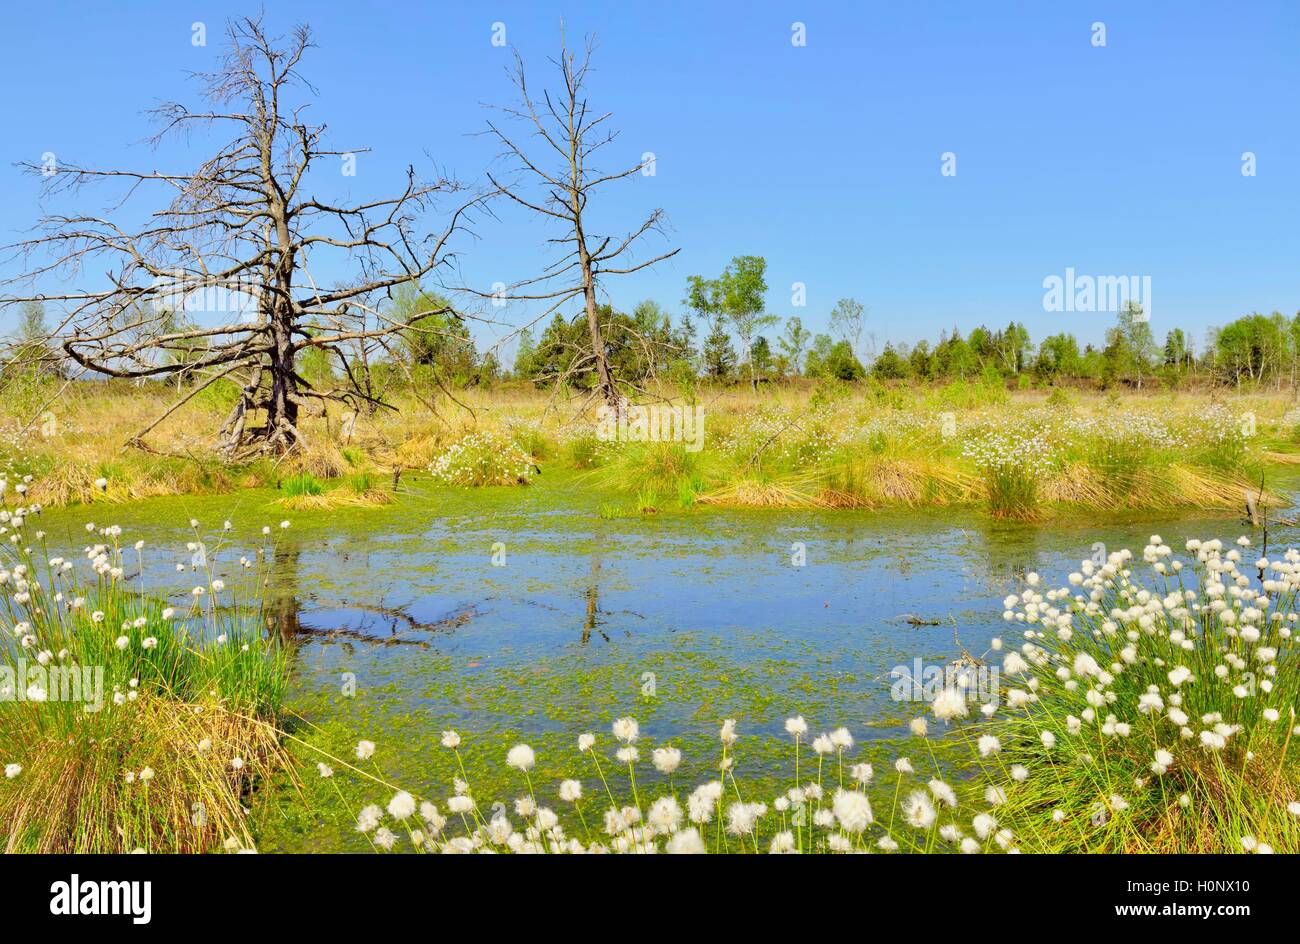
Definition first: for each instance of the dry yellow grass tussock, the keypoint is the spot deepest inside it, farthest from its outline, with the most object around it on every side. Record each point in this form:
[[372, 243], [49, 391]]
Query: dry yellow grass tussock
[[73, 479], [907, 480], [792, 492], [1076, 484], [337, 498], [1172, 486], [77, 797]]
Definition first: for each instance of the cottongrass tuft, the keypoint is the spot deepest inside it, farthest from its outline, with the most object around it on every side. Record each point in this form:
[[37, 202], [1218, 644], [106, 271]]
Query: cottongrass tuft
[[521, 757]]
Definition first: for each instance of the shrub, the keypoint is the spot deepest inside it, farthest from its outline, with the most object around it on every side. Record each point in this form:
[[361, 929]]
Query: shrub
[[1059, 399]]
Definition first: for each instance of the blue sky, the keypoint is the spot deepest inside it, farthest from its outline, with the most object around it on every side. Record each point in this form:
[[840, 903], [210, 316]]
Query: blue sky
[[825, 159]]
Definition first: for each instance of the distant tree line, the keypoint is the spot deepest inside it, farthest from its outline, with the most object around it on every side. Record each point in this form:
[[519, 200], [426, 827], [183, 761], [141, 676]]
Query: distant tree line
[[729, 311], [1255, 349]]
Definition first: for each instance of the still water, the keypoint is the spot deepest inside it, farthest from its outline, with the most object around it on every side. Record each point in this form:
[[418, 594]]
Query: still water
[[523, 612]]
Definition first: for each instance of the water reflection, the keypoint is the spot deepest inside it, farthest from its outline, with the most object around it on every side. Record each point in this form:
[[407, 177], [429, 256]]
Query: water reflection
[[592, 595], [283, 609]]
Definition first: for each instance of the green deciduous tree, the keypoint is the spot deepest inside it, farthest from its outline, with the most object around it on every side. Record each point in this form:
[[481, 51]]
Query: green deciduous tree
[[1139, 344], [793, 343], [1058, 356], [741, 293]]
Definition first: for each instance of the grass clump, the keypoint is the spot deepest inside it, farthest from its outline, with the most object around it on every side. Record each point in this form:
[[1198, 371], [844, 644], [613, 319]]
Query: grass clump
[[304, 492], [586, 450], [1012, 466], [365, 488], [302, 484], [659, 474], [127, 723]]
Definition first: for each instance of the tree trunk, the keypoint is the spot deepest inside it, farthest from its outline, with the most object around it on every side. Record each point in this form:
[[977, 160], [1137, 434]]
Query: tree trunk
[[604, 379], [282, 405], [281, 431]]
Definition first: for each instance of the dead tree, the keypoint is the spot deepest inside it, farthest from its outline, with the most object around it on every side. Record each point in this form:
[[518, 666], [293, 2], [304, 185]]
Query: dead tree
[[243, 226], [553, 176]]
